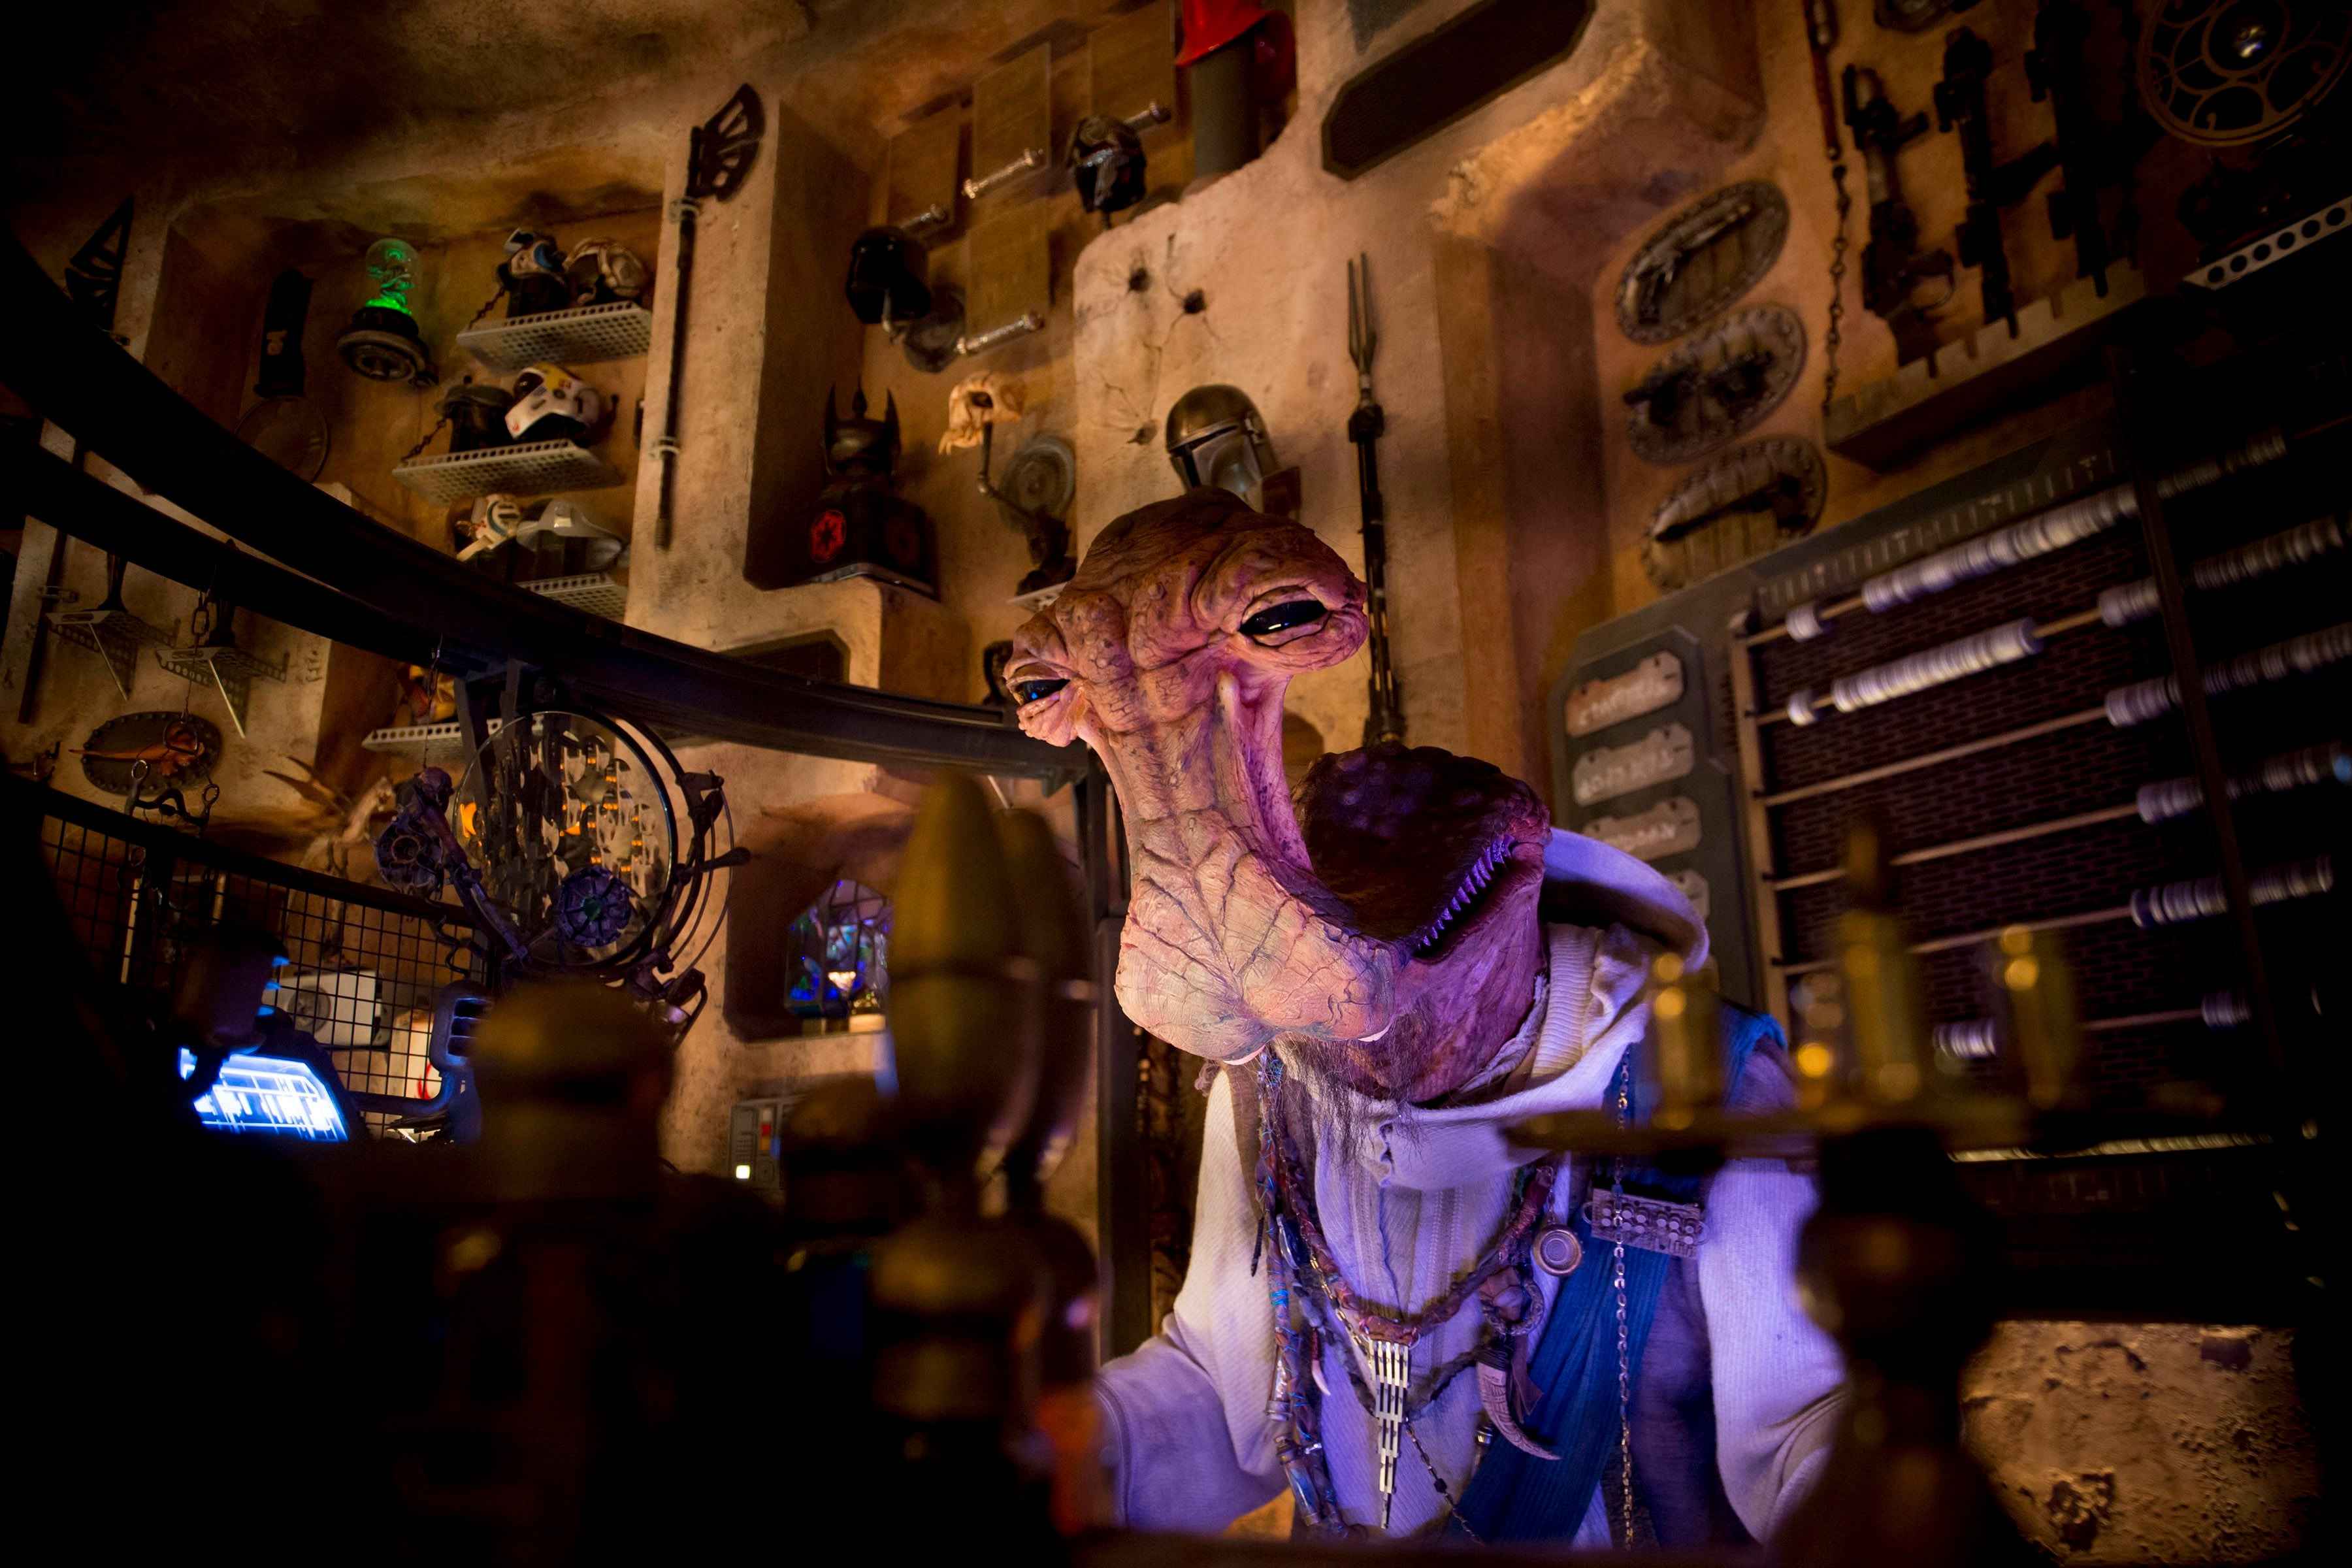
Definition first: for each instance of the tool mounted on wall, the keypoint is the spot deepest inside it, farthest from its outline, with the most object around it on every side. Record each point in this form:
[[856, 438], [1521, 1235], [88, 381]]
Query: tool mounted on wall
[[93, 281], [1384, 719], [719, 157], [1820, 38], [215, 659], [1897, 279], [1701, 260], [285, 425], [1960, 105], [2091, 156]]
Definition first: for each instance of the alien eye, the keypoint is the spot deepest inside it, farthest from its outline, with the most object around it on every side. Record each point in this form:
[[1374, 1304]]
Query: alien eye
[[1036, 691], [1285, 622]]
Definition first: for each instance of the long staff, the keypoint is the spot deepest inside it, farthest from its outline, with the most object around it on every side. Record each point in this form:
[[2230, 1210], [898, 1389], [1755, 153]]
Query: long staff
[[1384, 721]]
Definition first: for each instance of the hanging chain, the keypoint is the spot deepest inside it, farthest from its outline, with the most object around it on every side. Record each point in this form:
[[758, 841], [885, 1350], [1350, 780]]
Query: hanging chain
[[486, 308], [1624, 1360], [427, 440], [1835, 336]]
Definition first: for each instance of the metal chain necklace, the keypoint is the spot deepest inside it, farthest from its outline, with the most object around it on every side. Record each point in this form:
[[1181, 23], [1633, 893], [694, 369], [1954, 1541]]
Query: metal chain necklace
[[1625, 1360], [1832, 339], [1383, 1344]]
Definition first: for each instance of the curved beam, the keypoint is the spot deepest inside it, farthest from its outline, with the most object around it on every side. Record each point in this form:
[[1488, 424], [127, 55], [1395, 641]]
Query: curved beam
[[78, 377], [87, 507]]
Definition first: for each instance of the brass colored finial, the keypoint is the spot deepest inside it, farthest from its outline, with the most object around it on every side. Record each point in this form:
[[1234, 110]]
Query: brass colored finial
[[965, 999], [1683, 1066], [2036, 989], [1882, 981], [1056, 935]]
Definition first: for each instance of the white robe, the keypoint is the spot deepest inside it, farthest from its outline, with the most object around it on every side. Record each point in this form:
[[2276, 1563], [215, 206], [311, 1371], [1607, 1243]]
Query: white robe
[[1413, 1208]]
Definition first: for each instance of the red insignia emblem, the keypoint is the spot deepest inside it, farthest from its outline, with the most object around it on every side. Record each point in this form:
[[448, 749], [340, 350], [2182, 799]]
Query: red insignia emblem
[[827, 534], [905, 543]]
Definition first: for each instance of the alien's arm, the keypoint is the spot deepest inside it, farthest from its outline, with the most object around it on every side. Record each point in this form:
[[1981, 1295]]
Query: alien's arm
[[1777, 1374], [1184, 1416]]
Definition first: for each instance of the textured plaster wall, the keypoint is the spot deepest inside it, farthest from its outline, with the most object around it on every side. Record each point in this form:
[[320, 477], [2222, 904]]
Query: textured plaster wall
[[1480, 240], [2145, 1442], [1787, 150]]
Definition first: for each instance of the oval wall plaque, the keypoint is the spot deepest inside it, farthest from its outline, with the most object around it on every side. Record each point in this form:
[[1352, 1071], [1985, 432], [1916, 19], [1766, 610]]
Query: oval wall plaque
[[1718, 385], [1706, 257], [1751, 500]]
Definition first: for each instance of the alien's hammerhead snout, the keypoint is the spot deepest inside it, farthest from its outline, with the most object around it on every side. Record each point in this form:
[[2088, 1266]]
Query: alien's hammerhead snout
[[1169, 653]]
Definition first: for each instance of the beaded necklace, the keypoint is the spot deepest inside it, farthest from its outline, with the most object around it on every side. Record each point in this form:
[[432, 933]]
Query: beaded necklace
[[1302, 1257]]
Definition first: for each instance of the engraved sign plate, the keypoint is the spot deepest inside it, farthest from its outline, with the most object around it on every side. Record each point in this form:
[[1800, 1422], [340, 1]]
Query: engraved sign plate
[[1011, 118], [1668, 827], [923, 173], [1649, 686], [1605, 773]]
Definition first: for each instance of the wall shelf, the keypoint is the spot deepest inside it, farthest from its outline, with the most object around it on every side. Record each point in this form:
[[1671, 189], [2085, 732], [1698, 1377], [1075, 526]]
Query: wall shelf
[[595, 592], [584, 336], [534, 467], [428, 744]]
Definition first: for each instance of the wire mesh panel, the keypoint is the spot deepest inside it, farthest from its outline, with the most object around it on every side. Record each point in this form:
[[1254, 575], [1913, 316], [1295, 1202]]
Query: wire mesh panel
[[528, 467], [595, 592], [364, 964], [584, 336]]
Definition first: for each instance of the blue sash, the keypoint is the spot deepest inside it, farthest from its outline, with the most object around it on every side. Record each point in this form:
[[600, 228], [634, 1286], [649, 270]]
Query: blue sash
[[1517, 1497]]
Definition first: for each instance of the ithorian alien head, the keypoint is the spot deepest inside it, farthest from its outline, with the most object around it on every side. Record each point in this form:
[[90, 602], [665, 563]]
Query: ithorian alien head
[[1385, 931]]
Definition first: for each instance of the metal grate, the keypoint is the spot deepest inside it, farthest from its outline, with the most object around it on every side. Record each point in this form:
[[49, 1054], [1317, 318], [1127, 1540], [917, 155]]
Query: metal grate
[[595, 592], [566, 337], [364, 963], [444, 743], [532, 467]]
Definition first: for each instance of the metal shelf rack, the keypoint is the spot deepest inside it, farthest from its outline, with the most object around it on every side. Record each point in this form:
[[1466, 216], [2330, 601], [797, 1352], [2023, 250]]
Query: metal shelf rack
[[584, 336]]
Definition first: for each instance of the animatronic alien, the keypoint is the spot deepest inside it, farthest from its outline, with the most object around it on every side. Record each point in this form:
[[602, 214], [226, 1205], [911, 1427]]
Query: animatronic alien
[[1410, 1320]]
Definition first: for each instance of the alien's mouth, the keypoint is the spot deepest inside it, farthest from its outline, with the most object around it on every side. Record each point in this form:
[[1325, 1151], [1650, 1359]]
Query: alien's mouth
[[1468, 899]]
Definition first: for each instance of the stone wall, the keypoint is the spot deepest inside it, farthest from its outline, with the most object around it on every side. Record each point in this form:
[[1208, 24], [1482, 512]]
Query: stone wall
[[2145, 1442]]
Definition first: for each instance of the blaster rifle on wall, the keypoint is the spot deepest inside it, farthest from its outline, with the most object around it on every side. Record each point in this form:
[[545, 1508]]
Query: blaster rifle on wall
[[1960, 105], [1892, 270], [2090, 155]]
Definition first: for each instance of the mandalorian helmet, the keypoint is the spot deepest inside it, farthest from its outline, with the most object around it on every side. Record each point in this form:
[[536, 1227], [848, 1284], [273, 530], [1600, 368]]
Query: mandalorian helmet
[[1216, 438], [1105, 163]]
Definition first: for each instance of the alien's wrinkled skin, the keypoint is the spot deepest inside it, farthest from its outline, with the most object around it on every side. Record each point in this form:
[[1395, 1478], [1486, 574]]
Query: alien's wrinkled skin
[[1386, 928]]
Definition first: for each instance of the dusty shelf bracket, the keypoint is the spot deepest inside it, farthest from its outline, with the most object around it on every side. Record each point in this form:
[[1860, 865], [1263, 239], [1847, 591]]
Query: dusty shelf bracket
[[227, 669], [107, 629]]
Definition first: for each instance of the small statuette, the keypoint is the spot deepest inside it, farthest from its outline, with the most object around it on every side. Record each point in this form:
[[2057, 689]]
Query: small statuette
[[1557, 1252]]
